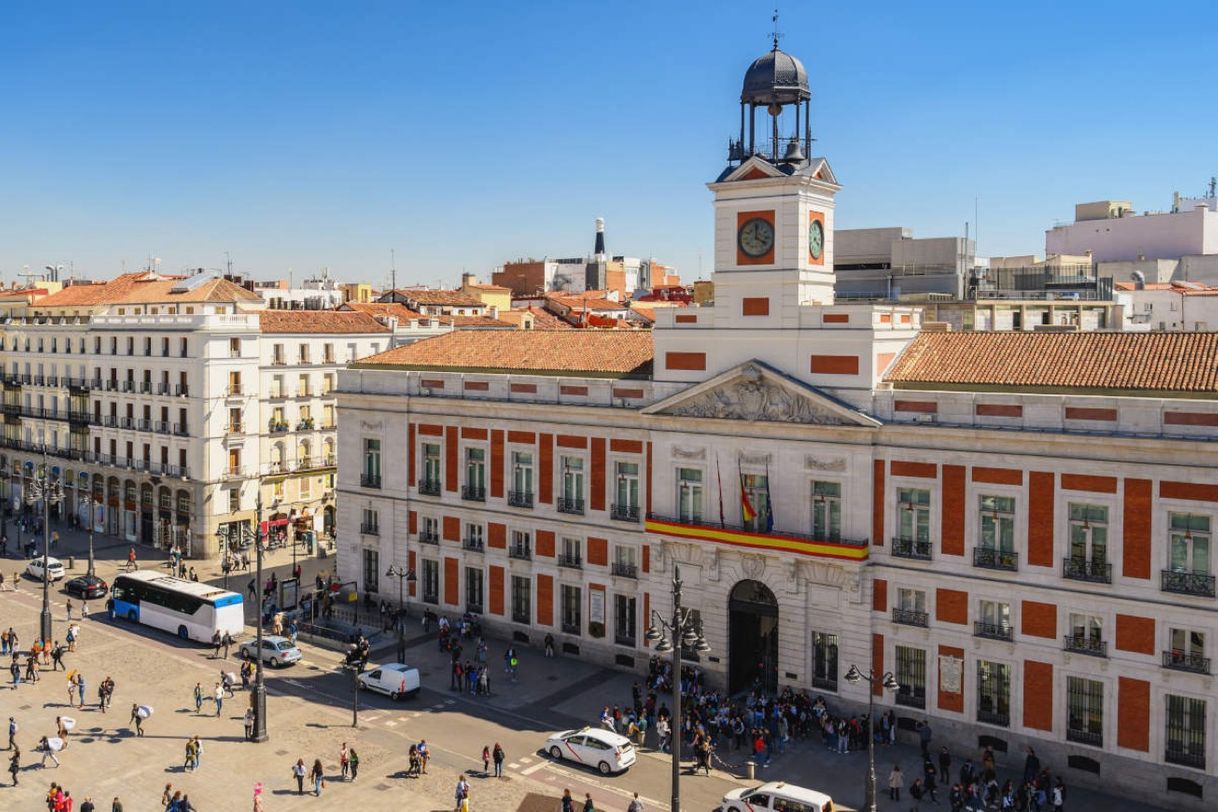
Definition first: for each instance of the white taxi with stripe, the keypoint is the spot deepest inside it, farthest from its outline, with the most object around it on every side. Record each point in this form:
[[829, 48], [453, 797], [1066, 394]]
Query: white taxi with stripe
[[776, 796], [600, 749]]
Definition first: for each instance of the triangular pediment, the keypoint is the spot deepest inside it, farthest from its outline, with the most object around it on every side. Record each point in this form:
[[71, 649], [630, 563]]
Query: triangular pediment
[[758, 167], [755, 391], [754, 168]]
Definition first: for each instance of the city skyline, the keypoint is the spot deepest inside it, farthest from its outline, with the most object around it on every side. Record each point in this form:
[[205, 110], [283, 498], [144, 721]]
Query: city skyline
[[464, 139]]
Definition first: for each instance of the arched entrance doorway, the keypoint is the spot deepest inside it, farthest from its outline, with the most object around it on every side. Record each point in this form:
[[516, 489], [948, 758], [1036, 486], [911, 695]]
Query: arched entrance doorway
[[752, 637]]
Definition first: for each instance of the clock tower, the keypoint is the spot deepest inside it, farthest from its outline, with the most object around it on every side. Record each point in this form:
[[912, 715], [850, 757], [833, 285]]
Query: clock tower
[[773, 278]]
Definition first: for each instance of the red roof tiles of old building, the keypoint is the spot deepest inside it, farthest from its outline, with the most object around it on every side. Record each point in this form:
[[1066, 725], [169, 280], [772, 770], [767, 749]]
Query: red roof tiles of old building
[[143, 287], [439, 297], [318, 321], [395, 309], [1157, 361], [592, 353]]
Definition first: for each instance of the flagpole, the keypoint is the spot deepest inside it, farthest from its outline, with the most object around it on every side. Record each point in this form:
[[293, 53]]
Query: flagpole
[[719, 480]]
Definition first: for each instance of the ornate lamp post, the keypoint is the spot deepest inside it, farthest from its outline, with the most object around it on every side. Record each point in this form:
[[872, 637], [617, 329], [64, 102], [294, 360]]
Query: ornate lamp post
[[258, 697], [888, 682], [88, 499], [402, 574], [43, 488], [685, 629]]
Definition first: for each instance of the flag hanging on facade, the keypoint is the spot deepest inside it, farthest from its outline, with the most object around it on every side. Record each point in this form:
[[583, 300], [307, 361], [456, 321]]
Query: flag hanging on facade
[[769, 503], [719, 480], [747, 511]]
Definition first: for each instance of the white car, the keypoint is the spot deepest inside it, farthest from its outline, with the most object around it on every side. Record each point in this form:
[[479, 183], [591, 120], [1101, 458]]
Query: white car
[[605, 750], [278, 651], [776, 795], [54, 566], [395, 680]]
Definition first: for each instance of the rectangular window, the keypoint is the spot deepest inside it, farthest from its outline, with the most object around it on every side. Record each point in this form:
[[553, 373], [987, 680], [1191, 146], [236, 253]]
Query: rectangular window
[[372, 571], [521, 494], [911, 676], [234, 348], [993, 693], [824, 661], [1086, 629], [234, 500], [572, 608], [522, 604], [911, 607], [1185, 731], [277, 356], [626, 493], [913, 514], [993, 620], [827, 510], [370, 523], [573, 483], [689, 495], [998, 523], [522, 546], [757, 490], [429, 532], [473, 590], [1084, 711], [1190, 543], [1089, 533], [624, 620], [475, 474], [571, 554], [473, 536], [431, 469], [431, 581], [625, 561], [372, 464]]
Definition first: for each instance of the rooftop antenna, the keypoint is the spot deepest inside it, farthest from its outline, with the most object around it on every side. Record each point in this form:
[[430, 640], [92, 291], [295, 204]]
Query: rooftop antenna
[[228, 263], [393, 269], [776, 35]]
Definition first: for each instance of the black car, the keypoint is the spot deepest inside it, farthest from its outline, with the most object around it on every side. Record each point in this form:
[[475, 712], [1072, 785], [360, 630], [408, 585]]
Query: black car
[[87, 586]]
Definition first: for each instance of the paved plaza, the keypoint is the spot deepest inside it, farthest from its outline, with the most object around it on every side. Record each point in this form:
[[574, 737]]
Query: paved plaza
[[310, 716]]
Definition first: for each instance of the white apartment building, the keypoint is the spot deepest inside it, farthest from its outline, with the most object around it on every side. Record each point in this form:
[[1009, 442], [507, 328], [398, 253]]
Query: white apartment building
[[1017, 525], [154, 397]]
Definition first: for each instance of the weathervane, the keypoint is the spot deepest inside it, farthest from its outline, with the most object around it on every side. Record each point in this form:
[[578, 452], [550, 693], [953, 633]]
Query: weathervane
[[777, 36]]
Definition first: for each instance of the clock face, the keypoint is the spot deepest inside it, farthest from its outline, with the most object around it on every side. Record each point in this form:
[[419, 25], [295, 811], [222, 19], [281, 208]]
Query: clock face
[[816, 239], [756, 237]]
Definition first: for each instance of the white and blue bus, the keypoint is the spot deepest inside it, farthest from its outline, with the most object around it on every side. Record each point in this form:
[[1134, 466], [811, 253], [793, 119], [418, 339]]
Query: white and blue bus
[[189, 609]]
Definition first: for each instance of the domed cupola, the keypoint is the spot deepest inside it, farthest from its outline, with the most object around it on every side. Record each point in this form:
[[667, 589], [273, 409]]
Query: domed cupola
[[776, 80]]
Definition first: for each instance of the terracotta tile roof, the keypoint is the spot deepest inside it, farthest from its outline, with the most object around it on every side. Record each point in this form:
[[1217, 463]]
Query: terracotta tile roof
[[593, 353], [318, 321], [432, 296], [1158, 361], [1183, 288], [401, 311], [141, 287], [545, 320], [476, 322]]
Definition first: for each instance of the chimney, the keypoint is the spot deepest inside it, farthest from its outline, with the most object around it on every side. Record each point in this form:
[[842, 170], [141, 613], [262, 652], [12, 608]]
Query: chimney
[[599, 250], [494, 311], [468, 279]]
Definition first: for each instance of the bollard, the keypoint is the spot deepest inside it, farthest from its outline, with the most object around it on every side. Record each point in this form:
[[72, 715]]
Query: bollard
[[750, 769], [71, 562]]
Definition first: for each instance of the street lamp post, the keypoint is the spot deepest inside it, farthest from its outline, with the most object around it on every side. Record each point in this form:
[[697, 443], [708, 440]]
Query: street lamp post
[[888, 682], [685, 629], [402, 574], [89, 506], [44, 488], [258, 698]]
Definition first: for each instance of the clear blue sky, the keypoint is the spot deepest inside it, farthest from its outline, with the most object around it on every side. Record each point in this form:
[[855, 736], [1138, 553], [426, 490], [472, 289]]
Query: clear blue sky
[[310, 134]]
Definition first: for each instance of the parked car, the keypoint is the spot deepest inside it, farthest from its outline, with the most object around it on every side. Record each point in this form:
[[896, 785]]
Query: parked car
[[596, 747], [87, 587], [276, 651], [776, 795], [54, 566], [395, 680]]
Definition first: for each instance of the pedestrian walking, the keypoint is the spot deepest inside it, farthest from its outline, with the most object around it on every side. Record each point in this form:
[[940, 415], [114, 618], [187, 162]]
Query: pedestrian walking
[[916, 792], [228, 641], [12, 734], [298, 772], [57, 659], [61, 730], [198, 752], [14, 765], [354, 760], [219, 698], [549, 645], [461, 794], [14, 669], [318, 777], [1059, 796], [189, 763], [80, 690], [635, 804], [896, 781], [88, 805], [198, 697], [137, 719], [568, 803], [167, 795], [216, 642], [84, 609], [424, 754], [48, 751], [249, 723], [343, 760], [486, 761], [588, 805], [498, 756]]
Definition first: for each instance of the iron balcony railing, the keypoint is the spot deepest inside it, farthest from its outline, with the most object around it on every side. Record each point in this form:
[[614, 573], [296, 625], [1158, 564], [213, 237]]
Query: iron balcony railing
[[910, 617], [568, 505], [472, 544], [520, 551], [1080, 569], [429, 487], [367, 480], [624, 513], [1187, 583], [473, 493], [1185, 757], [990, 717], [911, 548], [911, 699], [429, 537], [625, 570], [1080, 644], [1186, 661], [993, 631], [1081, 736], [521, 499], [570, 628], [370, 529], [992, 559], [569, 561]]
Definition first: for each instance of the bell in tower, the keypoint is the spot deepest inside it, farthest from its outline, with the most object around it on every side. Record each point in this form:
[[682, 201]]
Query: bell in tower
[[774, 82]]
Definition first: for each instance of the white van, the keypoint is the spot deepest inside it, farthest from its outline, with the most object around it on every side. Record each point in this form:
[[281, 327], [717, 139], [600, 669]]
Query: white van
[[395, 680], [776, 796]]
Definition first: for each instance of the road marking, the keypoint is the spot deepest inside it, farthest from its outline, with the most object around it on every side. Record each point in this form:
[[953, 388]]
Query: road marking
[[530, 770], [525, 759], [389, 723], [513, 766]]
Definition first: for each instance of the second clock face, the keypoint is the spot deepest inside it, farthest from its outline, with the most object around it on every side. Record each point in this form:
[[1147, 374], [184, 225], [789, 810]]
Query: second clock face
[[816, 239], [756, 237]]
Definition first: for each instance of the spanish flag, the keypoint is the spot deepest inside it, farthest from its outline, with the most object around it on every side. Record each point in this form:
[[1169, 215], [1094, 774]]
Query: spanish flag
[[747, 511]]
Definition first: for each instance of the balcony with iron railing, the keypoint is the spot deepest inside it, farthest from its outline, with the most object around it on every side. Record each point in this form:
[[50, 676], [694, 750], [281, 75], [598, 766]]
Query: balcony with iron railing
[[701, 527], [235, 428], [624, 512], [1187, 583], [911, 698], [993, 631], [472, 544], [1082, 644], [1185, 756], [520, 551], [570, 627], [1080, 569], [993, 559], [570, 561], [182, 390], [624, 569], [370, 480], [520, 499], [910, 617], [429, 487], [993, 717], [370, 529], [1191, 662], [473, 493], [1079, 735], [572, 505], [918, 550], [429, 537]]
